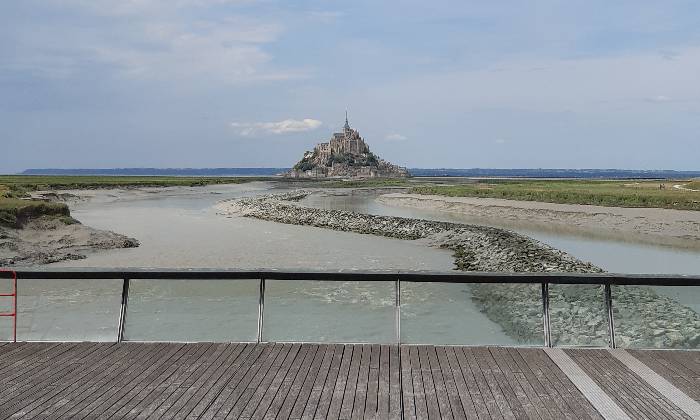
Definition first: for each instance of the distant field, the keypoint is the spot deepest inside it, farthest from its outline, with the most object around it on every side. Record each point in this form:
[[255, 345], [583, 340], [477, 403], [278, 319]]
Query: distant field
[[623, 193], [19, 185]]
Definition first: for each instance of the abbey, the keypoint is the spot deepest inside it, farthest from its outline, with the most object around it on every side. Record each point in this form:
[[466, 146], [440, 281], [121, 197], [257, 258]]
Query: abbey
[[345, 155]]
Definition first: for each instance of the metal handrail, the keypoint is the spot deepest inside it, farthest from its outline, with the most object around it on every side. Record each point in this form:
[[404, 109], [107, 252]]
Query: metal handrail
[[354, 275], [544, 279]]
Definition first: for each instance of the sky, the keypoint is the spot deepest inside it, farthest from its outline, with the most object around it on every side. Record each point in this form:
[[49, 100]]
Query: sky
[[433, 84]]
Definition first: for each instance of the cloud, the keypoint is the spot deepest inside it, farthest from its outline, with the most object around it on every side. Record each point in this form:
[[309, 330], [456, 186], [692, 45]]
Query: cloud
[[280, 127], [500, 141], [659, 99], [395, 137], [183, 41]]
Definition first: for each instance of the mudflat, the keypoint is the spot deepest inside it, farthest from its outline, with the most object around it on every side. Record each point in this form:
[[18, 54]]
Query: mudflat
[[660, 226]]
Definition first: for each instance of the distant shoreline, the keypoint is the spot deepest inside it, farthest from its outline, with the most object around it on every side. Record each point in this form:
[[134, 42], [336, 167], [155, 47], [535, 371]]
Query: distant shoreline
[[552, 173]]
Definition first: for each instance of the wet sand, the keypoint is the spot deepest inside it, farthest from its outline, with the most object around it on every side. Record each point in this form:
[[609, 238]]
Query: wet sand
[[679, 228]]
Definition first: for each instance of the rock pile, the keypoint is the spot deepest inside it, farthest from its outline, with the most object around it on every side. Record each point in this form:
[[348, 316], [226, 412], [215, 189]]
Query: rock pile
[[578, 316]]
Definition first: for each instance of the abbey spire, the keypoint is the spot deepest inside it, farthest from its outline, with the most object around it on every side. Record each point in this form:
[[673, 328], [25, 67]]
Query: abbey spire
[[347, 124]]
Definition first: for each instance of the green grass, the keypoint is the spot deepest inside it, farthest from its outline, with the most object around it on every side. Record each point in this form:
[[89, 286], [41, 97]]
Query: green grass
[[693, 185], [15, 212], [623, 193]]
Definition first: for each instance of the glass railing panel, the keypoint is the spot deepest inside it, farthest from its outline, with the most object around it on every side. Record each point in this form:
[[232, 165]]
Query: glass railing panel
[[326, 311], [471, 314], [192, 310], [657, 316], [68, 310], [578, 315]]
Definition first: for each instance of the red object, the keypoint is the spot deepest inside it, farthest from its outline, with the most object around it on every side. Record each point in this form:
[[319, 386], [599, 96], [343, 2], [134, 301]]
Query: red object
[[14, 303]]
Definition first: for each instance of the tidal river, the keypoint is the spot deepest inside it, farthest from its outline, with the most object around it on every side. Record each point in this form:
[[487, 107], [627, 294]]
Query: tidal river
[[179, 227]]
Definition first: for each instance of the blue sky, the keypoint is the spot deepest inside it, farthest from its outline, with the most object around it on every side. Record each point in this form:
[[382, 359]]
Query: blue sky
[[225, 83]]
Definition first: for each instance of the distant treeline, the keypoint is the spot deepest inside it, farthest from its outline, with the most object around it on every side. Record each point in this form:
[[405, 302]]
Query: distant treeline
[[473, 172]]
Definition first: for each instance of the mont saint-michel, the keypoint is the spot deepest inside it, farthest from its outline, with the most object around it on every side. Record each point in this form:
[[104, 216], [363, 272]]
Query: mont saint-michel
[[345, 155]]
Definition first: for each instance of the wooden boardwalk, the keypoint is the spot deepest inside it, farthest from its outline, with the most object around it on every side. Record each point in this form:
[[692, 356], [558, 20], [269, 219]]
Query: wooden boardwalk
[[295, 381]]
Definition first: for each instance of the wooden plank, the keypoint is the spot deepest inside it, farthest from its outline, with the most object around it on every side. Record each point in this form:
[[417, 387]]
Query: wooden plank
[[358, 408], [384, 382], [335, 401], [431, 397], [395, 374], [267, 389], [534, 406], [633, 394], [82, 372], [467, 395], [138, 394], [250, 381], [325, 382], [197, 382], [307, 386], [482, 385], [227, 373], [239, 380], [45, 383], [351, 384], [579, 404], [589, 366], [450, 383], [676, 366], [162, 390], [508, 389], [128, 390], [479, 392], [283, 402], [538, 380], [419, 396], [408, 394], [372, 394], [480, 358], [76, 388], [32, 355], [182, 383], [439, 381], [38, 384], [658, 383], [28, 358], [109, 394]]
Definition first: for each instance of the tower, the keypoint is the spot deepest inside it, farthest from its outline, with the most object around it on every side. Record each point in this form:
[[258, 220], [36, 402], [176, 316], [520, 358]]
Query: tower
[[347, 125]]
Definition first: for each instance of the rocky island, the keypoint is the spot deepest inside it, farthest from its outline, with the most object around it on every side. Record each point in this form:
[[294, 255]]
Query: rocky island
[[345, 155]]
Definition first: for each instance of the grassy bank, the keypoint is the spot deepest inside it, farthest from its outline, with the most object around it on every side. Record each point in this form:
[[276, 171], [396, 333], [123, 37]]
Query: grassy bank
[[15, 212], [622, 193]]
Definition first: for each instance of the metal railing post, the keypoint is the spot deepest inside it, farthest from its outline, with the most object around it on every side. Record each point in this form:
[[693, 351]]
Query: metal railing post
[[397, 309], [261, 310], [122, 313], [611, 318], [545, 315]]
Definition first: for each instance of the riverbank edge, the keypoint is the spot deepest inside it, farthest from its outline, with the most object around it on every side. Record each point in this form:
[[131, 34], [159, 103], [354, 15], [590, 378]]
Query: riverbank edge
[[676, 228]]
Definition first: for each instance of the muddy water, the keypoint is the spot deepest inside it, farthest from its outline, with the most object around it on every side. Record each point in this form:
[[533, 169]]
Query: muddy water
[[179, 228]]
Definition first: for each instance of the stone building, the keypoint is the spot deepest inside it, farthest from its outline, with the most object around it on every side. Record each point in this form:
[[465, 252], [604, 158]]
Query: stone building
[[345, 155]]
